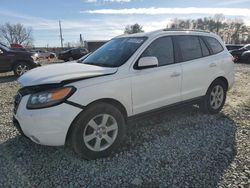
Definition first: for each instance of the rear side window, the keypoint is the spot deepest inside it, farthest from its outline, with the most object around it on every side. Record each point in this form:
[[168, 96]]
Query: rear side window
[[162, 49], [75, 51], [190, 47], [205, 51], [214, 45]]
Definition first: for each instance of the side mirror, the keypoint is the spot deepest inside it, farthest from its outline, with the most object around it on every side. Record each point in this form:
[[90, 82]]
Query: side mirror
[[147, 62], [1, 51]]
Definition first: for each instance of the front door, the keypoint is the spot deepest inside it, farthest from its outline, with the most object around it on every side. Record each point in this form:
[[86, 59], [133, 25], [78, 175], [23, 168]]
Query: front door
[[5, 60], [156, 87]]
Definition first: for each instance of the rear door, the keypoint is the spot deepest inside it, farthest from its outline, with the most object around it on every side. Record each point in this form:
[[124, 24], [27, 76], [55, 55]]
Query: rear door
[[197, 66]]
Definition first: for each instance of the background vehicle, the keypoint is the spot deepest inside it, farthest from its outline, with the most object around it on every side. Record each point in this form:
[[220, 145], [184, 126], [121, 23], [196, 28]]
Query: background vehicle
[[237, 54], [72, 54], [87, 104], [245, 57], [233, 46], [45, 54], [18, 47], [17, 61]]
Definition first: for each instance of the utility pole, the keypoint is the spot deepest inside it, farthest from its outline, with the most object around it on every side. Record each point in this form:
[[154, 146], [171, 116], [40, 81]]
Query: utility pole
[[61, 33], [81, 41]]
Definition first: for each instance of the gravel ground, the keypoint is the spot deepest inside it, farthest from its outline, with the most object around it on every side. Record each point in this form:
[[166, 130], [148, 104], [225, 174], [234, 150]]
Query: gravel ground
[[177, 148]]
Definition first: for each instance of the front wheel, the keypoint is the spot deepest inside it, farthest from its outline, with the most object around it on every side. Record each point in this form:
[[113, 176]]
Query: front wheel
[[21, 68], [215, 97], [98, 131]]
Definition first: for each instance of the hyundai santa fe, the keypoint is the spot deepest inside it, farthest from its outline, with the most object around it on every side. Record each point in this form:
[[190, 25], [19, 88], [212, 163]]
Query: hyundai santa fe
[[86, 103]]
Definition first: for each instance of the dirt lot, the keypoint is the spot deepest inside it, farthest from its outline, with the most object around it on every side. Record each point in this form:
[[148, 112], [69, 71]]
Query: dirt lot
[[177, 148]]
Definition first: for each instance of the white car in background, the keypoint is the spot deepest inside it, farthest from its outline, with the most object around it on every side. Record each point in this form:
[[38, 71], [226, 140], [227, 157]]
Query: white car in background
[[42, 54], [86, 103]]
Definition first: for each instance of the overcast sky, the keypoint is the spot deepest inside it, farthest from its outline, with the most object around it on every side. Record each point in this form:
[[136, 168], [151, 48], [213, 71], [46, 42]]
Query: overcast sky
[[104, 19]]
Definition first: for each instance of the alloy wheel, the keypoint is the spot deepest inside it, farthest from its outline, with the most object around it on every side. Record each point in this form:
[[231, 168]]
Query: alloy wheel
[[21, 69], [100, 132], [216, 97]]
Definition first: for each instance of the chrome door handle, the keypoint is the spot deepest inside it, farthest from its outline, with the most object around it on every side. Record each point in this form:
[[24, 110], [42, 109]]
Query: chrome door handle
[[175, 74], [212, 65]]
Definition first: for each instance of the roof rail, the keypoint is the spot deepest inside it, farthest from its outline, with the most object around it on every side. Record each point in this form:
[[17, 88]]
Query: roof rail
[[195, 30]]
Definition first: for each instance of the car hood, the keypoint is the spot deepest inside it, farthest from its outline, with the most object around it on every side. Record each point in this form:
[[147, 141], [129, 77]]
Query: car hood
[[52, 74]]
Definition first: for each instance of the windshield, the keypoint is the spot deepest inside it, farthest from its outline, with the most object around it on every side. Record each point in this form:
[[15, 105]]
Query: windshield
[[4, 47], [114, 53]]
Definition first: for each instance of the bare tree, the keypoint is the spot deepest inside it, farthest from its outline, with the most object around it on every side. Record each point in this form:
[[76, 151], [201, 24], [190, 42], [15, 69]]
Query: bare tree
[[218, 18], [231, 31], [16, 33], [130, 29]]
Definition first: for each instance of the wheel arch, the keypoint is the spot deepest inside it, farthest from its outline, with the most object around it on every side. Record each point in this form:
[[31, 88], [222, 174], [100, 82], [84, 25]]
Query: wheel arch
[[111, 101], [21, 61], [222, 78]]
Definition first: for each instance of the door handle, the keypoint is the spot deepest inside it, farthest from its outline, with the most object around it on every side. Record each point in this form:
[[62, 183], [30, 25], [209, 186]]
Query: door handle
[[212, 65], [175, 74]]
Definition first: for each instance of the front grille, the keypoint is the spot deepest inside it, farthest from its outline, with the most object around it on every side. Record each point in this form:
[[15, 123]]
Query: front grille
[[17, 100]]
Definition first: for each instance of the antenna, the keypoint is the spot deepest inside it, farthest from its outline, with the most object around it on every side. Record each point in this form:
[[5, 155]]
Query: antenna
[[61, 33]]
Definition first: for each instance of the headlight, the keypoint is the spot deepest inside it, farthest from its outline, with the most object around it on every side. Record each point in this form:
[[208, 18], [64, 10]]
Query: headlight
[[34, 58], [49, 98]]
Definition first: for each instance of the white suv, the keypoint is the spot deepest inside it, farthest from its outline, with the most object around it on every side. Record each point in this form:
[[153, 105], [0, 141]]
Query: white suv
[[86, 103]]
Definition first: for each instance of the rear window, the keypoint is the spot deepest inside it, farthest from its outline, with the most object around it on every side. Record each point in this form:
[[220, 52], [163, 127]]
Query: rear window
[[214, 45]]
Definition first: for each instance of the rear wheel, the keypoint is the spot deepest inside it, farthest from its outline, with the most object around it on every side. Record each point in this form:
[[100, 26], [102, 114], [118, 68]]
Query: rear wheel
[[51, 56], [21, 68], [98, 131], [215, 97]]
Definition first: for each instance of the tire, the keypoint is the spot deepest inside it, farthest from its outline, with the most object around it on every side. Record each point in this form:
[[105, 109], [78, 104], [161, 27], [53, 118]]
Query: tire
[[236, 58], [51, 56], [20, 68], [89, 137], [215, 97]]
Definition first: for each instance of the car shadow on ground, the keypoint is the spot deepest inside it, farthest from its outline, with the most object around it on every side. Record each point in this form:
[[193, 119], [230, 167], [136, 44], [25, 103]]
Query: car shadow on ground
[[7, 78], [180, 146]]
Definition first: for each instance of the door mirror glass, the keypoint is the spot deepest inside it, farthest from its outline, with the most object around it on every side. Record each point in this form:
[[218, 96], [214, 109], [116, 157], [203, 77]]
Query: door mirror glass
[[147, 62]]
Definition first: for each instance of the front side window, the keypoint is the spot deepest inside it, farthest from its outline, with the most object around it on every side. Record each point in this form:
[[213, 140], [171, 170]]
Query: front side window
[[214, 44], [190, 47], [162, 49], [115, 52]]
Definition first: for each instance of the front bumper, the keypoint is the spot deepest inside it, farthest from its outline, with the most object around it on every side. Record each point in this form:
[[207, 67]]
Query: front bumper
[[47, 126]]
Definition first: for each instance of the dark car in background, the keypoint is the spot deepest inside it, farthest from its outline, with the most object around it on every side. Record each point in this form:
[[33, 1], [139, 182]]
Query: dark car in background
[[245, 57], [238, 53], [15, 60], [72, 54], [233, 46]]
